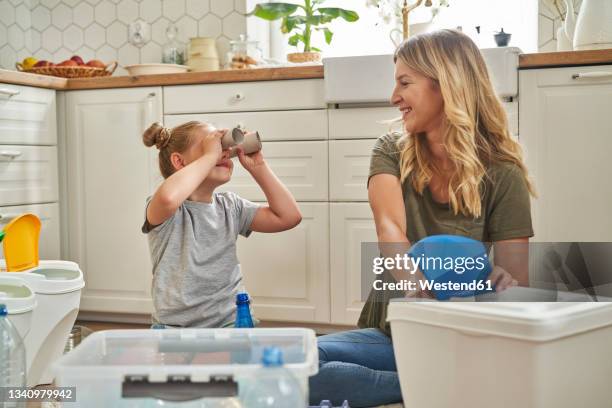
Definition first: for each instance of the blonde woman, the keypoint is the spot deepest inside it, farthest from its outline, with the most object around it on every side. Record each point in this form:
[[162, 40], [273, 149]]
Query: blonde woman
[[454, 170]]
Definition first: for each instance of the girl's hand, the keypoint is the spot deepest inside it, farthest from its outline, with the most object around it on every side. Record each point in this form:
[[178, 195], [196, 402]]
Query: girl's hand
[[501, 279], [250, 161], [211, 144]]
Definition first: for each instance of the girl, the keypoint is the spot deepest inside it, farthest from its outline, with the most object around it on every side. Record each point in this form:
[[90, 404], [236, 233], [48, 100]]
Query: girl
[[454, 170], [192, 230]]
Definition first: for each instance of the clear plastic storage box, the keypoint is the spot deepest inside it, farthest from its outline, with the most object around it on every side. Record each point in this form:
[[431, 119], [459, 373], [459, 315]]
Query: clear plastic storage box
[[177, 367]]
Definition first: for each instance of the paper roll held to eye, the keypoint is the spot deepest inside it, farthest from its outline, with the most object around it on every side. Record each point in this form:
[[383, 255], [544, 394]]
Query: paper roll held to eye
[[250, 141]]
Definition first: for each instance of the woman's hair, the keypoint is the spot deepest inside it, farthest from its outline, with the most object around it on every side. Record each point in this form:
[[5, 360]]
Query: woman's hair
[[168, 141], [476, 133]]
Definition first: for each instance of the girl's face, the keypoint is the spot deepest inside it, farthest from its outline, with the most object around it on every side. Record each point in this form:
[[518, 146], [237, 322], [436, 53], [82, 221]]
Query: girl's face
[[222, 172], [418, 98]]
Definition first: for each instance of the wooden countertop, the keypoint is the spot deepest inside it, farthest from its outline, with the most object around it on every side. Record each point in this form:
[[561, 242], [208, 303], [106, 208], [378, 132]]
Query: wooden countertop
[[565, 59], [259, 74]]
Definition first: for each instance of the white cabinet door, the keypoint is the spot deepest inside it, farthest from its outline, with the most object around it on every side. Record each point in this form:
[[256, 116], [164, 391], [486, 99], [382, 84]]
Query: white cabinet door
[[566, 130], [351, 224], [288, 273], [49, 242], [28, 174], [361, 123], [110, 174], [27, 115], [301, 166], [272, 126], [245, 96], [349, 166]]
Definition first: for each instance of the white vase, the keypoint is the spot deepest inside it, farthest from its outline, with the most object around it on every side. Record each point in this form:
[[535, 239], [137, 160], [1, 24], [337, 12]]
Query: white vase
[[563, 41], [594, 26]]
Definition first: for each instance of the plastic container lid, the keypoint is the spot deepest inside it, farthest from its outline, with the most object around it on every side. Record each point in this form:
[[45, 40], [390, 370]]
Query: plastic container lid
[[52, 277], [541, 321], [200, 353], [16, 295]]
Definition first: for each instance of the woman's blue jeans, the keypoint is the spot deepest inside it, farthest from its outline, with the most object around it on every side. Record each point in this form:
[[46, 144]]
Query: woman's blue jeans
[[358, 366]]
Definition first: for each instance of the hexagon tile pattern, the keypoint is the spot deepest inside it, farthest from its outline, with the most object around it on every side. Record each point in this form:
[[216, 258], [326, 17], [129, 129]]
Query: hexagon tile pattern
[[56, 29]]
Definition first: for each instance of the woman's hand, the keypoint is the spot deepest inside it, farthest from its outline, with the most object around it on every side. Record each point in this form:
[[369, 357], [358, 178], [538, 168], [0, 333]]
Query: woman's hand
[[250, 161], [501, 279]]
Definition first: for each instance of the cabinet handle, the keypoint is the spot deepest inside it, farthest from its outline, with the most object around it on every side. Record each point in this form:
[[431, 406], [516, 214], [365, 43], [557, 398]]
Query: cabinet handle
[[10, 153], [9, 92], [239, 96], [4, 218], [596, 74]]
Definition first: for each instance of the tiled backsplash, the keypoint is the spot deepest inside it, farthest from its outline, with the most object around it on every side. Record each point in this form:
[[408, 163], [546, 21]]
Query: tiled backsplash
[[549, 22], [57, 29]]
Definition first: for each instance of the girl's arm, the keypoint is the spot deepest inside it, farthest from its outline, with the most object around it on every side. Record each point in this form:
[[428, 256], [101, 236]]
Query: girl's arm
[[282, 212], [179, 186]]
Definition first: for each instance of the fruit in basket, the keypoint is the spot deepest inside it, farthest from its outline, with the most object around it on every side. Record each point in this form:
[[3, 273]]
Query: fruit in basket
[[43, 63], [29, 62], [67, 63], [96, 64], [78, 60]]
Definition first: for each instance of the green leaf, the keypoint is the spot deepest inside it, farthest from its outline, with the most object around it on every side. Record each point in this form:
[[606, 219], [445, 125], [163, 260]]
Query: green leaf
[[334, 12], [315, 49], [273, 11], [328, 35], [295, 39], [318, 20], [290, 22]]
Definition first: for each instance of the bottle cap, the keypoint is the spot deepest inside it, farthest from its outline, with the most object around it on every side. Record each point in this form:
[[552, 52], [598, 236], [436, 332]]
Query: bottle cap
[[3, 310], [242, 297], [272, 357]]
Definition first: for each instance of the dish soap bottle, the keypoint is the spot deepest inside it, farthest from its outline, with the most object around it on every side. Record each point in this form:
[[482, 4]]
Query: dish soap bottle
[[173, 51]]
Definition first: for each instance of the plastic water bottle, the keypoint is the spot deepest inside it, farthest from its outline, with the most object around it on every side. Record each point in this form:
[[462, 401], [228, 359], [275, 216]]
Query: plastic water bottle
[[243, 311], [273, 385], [12, 356]]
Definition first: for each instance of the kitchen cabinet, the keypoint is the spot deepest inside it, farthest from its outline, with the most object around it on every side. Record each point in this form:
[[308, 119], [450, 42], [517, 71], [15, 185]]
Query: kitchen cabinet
[[28, 162], [566, 129], [110, 173], [287, 273], [351, 226]]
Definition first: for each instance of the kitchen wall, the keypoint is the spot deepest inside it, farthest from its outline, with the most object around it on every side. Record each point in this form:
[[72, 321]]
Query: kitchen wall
[[549, 22], [57, 29]]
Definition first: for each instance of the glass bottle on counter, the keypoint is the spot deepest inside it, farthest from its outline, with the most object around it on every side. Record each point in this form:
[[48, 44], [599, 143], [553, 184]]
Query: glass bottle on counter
[[173, 51]]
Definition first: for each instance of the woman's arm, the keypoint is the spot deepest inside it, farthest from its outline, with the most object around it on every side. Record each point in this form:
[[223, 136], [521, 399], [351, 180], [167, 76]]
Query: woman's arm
[[282, 212], [178, 187], [387, 203], [512, 256]]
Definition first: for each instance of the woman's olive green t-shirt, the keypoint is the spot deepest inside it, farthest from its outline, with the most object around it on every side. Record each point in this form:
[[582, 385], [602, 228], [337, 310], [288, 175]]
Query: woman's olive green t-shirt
[[505, 214]]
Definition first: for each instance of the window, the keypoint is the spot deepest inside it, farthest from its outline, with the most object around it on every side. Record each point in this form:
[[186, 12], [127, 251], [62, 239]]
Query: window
[[370, 36]]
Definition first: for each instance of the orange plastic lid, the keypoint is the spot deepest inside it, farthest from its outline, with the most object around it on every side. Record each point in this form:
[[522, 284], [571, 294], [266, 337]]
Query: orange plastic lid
[[21, 243]]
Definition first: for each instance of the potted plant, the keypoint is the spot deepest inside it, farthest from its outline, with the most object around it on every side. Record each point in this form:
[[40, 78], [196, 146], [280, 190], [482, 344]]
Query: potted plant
[[301, 20]]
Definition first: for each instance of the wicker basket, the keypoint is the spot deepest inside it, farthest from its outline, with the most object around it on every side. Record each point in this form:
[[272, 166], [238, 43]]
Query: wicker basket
[[80, 71]]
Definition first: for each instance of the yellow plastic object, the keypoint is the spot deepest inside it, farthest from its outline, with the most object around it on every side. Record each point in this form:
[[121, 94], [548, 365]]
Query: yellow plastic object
[[21, 243]]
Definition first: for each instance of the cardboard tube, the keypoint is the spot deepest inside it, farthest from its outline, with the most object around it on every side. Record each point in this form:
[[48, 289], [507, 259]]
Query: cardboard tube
[[251, 144], [232, 138]]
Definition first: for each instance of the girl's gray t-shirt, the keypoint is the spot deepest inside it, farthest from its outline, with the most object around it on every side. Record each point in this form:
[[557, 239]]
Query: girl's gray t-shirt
[[196, 272]]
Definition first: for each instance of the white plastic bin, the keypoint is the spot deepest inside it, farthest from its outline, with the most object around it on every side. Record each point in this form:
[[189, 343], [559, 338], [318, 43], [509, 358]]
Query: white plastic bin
[[503, 355], [57, 285], [20, 302], [139, 368]]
